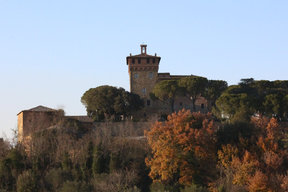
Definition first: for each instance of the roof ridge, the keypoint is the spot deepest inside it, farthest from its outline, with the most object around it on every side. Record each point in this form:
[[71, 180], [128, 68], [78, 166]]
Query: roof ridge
[[41, 108]]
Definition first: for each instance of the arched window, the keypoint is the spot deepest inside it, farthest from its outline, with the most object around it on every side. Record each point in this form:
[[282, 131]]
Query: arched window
[[143, 90]]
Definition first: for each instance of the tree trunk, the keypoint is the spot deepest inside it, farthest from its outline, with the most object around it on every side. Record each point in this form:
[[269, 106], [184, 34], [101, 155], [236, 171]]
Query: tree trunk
[[172, 105], [193, 101]]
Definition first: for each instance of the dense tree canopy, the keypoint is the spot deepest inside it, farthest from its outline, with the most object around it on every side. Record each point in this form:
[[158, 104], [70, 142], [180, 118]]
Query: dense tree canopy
[[249, 97], [167, 91], [214, 89], [193, 88], [108, 100]]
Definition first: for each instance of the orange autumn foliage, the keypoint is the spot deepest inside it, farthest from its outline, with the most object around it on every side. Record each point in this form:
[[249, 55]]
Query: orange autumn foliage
[[182, 147], [260, 166]]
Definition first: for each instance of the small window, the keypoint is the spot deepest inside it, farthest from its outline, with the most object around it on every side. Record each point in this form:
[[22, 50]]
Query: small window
[[181, 103], [148, 60], [144, 114], [139, 61], [153, 60], [202, 105], [133, 61], [150, 75], [144, 90], [213, 103], [148, 102], [136, 75]]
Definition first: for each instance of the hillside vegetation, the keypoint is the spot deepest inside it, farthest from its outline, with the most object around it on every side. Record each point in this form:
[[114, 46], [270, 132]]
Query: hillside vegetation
[[188, 152]]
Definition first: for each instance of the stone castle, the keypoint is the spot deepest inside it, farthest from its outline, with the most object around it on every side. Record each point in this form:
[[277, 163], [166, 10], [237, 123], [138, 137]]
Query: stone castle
[[144, 75]]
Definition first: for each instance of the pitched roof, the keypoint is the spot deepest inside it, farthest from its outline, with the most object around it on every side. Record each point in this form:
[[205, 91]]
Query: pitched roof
[[41, 108]]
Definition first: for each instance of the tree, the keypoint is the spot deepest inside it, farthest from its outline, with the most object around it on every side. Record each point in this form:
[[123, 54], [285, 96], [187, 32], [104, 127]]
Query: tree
[[98, 160], [257, 162], [167, 91], [249, 97], [183, 148], [108, 100], [236, 106], [285, 106], [272, 105], [193, 87], [214, 89]]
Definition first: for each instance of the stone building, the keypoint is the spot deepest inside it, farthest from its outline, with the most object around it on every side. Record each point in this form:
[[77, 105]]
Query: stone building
[[144, 75], [143, 71], [39, 118]]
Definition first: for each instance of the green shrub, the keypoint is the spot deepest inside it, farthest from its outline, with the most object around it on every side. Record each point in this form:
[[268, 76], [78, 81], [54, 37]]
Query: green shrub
[[56, 177], [194, 188], [75, 186], [160, 187], [26, 182]]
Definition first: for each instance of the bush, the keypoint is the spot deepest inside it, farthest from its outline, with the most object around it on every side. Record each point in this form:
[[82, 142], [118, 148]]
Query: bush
[[26, 182], [194, 188], [160, 187], [56, 177], [116, 181], [75, 186]]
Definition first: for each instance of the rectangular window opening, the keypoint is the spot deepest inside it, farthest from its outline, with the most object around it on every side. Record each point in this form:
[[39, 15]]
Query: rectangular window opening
[[150, 75], [148, 102]]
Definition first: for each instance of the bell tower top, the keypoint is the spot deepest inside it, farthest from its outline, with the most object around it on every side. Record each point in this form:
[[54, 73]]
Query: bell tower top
[[143, 71], [143, 49]]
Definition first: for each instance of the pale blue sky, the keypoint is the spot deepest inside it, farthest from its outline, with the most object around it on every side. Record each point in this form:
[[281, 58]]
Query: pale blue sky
[[51, 52]]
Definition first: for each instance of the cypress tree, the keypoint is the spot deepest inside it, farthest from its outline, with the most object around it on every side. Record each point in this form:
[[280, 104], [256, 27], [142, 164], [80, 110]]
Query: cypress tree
[[98, 160]]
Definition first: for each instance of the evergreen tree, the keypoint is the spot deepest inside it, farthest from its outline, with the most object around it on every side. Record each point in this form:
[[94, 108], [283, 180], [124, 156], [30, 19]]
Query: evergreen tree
[[98, 160]]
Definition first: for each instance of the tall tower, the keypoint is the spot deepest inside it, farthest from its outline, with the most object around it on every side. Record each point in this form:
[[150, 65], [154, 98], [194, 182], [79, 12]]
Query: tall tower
[[143, 72]]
